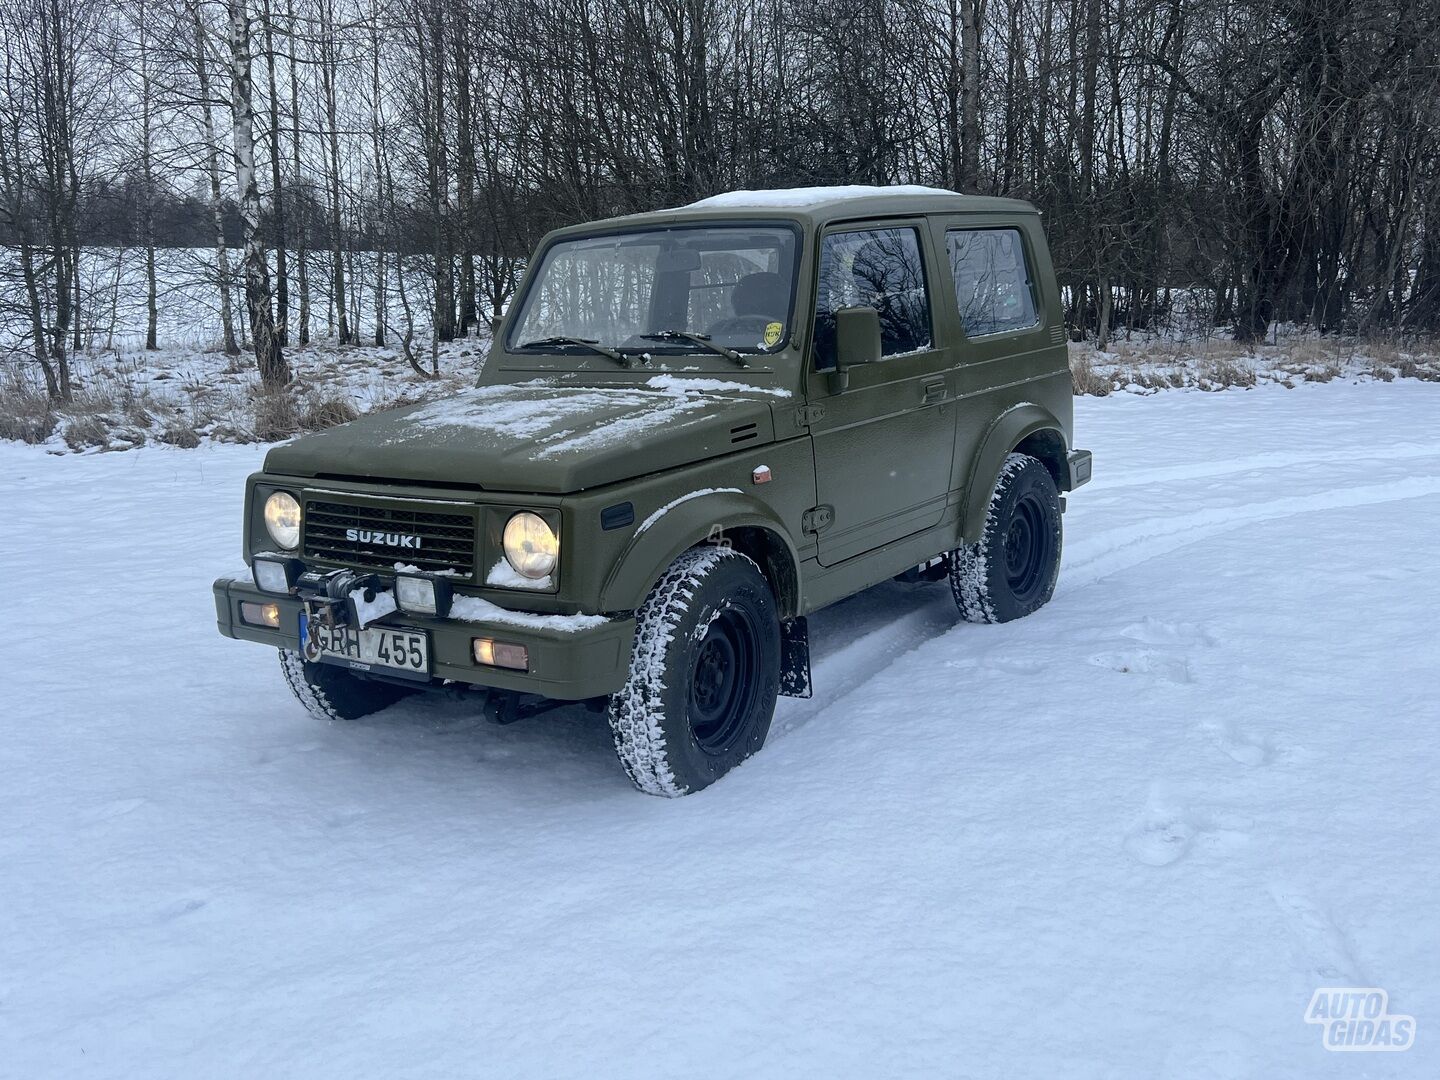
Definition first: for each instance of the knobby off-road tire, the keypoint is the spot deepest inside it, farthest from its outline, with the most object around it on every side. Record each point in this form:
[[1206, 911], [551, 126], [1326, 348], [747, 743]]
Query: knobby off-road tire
[[704, 674], [1012, 570], [331, 693]]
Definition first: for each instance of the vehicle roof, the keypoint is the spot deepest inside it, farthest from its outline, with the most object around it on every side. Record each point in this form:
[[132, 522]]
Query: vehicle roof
[[821, 205]]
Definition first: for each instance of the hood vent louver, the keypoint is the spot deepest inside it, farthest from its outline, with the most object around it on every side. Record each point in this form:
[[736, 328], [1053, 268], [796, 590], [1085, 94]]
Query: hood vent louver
[[744, 433]]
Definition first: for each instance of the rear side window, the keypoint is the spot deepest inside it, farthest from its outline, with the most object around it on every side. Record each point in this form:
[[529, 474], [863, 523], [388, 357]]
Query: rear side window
[[993, 287], [879, 268]]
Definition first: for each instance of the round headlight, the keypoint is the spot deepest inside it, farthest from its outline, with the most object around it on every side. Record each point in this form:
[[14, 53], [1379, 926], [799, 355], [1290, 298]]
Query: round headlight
[[531, 546], [282, 519]]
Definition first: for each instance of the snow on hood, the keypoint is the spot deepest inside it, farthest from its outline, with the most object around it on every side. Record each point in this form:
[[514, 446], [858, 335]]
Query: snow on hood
[[538, 435], [565, 420]]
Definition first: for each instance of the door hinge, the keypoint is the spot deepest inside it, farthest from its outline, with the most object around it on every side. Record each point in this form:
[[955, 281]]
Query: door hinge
[[813, 520], [806, 415]]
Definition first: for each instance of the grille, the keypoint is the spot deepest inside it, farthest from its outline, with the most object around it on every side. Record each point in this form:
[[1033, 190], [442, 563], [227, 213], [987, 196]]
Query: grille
[[447, 541]]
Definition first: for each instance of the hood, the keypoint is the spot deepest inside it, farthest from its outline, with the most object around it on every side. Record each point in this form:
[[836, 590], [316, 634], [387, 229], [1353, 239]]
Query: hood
[[541, 437]]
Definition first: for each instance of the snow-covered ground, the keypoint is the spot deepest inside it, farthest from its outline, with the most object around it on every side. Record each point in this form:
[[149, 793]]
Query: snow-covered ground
[[1127, 837]]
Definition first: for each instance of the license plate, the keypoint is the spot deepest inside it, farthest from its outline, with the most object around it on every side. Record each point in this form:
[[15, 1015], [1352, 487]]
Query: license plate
[[395, 652]]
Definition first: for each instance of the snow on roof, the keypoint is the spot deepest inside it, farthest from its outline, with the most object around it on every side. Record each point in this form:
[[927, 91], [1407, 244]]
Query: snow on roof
[[802, 197]]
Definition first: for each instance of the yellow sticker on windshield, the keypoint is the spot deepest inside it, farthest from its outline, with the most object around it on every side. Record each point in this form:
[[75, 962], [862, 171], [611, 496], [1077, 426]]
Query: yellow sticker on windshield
[[772, 334]]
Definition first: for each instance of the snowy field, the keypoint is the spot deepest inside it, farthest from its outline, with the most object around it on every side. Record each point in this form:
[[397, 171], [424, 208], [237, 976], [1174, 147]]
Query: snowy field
[[1127, 837]]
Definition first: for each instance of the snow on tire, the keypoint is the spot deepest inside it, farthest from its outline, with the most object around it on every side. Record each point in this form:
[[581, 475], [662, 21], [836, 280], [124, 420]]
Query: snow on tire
[[329, 693], [1011, 570], [704, 674]]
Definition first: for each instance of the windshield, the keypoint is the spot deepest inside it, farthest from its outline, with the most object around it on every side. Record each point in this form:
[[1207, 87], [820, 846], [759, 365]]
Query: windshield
[[646, 291]]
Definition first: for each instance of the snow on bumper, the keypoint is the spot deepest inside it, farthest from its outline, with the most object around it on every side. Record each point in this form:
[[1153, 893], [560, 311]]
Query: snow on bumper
[[571, 657]]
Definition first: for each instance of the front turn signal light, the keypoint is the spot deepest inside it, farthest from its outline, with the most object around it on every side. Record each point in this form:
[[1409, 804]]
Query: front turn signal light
[[261, 614], [504, 654]]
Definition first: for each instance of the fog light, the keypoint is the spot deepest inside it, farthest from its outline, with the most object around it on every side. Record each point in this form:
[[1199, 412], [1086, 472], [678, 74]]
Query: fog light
[[277, 575], [422, 594], [504, 654], [260, 614]]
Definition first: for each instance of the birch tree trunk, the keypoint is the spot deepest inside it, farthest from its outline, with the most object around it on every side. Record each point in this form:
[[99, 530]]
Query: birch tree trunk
[[970, 96], [217, 204], [277, 187], [465, 171], [147, 175], [302, 228], [329, 63], [13, 214], [269, 358], [56, 90], [383, 215]]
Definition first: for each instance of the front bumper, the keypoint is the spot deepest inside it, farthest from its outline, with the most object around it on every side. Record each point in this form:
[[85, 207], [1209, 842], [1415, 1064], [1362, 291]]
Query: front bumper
[[567, 665]]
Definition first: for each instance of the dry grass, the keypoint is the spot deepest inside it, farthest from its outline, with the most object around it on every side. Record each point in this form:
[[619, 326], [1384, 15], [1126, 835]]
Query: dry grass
[[25, 413], [103, 412], [1427, 369], [1085, 378], [109, 409], [1218, 363], [327, 412], [178, 433], [113, 414], [1223, 374], [274, 415]]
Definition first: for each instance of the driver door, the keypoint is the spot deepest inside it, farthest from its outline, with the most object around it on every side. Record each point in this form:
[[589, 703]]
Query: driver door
[[883, 447]]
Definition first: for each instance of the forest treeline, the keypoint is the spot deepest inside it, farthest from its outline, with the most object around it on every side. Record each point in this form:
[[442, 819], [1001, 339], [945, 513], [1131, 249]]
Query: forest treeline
[[1273, 159]]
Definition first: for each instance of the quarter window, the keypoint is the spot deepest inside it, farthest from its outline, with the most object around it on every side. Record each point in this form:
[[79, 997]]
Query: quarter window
[[879, 268], [993, 287]]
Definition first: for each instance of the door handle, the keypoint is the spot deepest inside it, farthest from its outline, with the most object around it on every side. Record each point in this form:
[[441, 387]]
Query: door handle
[[934, 391]]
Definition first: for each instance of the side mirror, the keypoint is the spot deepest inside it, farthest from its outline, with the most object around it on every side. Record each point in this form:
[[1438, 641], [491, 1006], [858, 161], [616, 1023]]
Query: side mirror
[[857, 341]]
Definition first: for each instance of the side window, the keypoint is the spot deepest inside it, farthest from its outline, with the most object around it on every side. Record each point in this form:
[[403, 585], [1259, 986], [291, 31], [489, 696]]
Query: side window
[[992, 281], [879, 268]]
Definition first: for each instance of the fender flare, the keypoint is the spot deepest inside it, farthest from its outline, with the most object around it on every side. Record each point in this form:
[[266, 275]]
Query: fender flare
[[688, 521], [1010, 428]]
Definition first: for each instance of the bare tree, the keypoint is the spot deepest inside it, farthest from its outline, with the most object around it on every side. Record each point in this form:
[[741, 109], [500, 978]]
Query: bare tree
[[269, 358], [211, 150], [328, 65], [1231, 163]]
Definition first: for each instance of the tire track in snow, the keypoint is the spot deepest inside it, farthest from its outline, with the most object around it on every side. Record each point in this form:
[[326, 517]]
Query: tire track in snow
[[1209, 470], [1096, 558], [839, 670]]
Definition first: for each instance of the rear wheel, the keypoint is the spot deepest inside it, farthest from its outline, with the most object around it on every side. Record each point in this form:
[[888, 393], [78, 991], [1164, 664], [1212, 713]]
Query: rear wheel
[[1011, 571], [704, 674], [331, 693]]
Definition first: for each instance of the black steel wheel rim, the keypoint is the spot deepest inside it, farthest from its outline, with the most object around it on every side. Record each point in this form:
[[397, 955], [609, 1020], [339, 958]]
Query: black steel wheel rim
[[722, 680], [1029, 548]]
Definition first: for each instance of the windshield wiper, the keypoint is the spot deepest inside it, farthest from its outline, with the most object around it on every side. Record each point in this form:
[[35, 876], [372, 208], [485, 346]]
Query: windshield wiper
[[584, 343], [703, 340]]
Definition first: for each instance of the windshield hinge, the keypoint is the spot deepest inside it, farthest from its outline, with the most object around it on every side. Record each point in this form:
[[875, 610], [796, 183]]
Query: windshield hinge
[[817, 518], [806, 415]]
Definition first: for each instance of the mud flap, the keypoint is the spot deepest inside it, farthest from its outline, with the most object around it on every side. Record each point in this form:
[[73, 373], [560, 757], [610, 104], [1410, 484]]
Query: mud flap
[[795, 657]]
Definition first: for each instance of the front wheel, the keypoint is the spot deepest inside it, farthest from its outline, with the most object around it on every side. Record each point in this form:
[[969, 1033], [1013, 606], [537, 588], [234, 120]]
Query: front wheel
[[1011, 571], [704, 674], [332, 693]]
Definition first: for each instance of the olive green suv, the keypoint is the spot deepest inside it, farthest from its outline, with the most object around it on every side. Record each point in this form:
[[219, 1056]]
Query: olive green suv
[[695, 428]]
